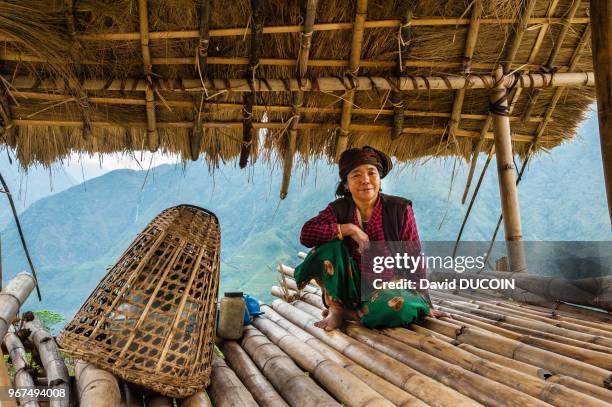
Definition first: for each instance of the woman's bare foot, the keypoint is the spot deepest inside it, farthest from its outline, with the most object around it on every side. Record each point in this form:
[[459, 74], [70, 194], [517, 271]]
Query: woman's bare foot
[[332, 321]]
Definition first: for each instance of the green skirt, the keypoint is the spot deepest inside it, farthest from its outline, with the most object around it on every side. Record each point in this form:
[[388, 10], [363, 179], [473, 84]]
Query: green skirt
[[333, 268]]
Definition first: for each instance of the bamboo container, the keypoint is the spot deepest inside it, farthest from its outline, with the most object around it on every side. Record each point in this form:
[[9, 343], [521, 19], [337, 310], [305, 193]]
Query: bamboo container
[[52, 360], [340, 383], [19, 361], [393, 393], [522, 382], [226, 390], [11, 298], [281, 371], [156, 332], [527, 353], [425, 388], [477, 387], [246, 370], [96, 387], [200, 399], [5, 381]]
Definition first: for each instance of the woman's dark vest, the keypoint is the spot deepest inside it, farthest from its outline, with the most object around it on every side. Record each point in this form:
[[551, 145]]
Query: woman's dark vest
[[393, 213]]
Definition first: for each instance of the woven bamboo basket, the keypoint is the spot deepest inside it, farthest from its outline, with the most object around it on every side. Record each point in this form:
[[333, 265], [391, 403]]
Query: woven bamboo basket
[[151, 320]]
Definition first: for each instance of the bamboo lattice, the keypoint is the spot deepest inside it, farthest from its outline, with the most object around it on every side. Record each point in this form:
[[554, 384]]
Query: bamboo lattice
[[151, 320]]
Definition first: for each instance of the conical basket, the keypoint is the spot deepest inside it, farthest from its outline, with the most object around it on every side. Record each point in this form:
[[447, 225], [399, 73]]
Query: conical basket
[[151, 320]]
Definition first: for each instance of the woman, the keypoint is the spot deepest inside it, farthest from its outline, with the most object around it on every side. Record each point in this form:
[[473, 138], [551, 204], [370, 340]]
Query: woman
[[340, 234]]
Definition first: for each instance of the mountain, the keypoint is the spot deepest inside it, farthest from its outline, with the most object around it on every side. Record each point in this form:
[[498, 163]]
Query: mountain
[[75, 235], [29, 185]]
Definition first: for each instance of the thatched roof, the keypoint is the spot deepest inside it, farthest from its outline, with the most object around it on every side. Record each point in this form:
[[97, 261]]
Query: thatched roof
[[110, 76]]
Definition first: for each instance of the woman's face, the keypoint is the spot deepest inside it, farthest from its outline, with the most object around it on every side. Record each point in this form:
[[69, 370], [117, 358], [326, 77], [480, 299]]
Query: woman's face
[[363, 182]]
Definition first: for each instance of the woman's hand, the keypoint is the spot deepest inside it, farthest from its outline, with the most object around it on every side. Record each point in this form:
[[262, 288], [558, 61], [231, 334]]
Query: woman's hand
[[355, 233], [434, 313]]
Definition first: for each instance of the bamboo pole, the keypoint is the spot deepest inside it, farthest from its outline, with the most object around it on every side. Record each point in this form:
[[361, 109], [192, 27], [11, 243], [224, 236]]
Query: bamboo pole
[[583, 387], [158, 401], [505, 170], [143, 18], [226, 390], [130, 397], [520, 381], [200, 399], [312, 299], [22, 378], [602, 60], [362, 83], [297, 98], [340, 383], [428, 390], [477, 387], [96, 387], [285, 376], [355, 58], [52, 360], [244, 31], [393, 393], [470, 45], [7, 129], [522, 367], [405, 36], [525, 353], [5, 382], [255, 49], [12, 297], [256, 383]]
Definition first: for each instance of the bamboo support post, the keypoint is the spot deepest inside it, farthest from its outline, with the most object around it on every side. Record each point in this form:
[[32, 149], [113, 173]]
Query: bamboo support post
[[405, 36], [12, 297], [393, 393], [602, 61], [354, 60], [297, 98], [473, 385], [255, 50], [505, 170], [96, 387], [19, 361], [52, 360], [282, 372], [522, 25], [226, 389], [428, 390], [256, 383], [340, 383], [152, 134], [470, 45]]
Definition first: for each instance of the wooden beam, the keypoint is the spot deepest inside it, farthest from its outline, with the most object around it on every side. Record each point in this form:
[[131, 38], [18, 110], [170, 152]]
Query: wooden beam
[[549, 65], [242, 31], [325, 84], [195, 136], [248, 132], [602, 60], [355, 58], [470, 45], [152, 134], [7, 126], [397, 99], [326, 126], [505, 171], [297, 98]]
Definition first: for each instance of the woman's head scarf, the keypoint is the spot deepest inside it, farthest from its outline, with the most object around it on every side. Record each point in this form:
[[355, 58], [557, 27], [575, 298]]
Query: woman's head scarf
[[354, 157]]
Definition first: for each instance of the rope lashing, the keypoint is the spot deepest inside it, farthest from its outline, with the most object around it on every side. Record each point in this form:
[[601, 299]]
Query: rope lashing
[[498, 108]]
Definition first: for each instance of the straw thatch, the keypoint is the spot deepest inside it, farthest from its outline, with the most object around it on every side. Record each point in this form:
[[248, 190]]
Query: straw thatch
[[72, 42]]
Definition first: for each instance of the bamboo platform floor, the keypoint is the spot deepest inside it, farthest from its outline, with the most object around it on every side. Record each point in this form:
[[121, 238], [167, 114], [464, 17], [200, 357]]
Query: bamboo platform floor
[[491, 352]]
